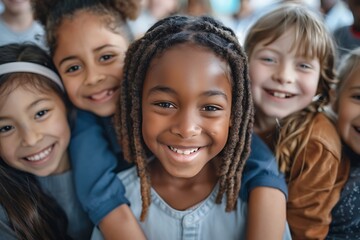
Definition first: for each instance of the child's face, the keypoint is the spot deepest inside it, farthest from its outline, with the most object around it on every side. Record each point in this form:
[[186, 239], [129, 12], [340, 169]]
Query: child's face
[[348, 110], [186, 108], [34, 132], [282, 82], [90, 58]]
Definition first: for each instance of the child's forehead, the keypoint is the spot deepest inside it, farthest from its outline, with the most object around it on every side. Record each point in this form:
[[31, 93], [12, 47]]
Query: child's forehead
[[188, 57], [184, 50]]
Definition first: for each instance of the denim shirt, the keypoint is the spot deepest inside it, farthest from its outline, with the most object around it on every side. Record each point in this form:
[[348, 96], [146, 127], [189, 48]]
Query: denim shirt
[[208, 220]]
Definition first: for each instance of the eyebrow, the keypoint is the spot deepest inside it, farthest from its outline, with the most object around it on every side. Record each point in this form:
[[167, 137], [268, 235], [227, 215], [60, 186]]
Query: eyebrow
[[44, 99], [71, 57], [171, 91]]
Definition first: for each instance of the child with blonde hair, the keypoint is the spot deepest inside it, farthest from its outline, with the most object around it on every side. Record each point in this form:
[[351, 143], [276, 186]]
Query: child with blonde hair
[[291, 62], [345, 223]]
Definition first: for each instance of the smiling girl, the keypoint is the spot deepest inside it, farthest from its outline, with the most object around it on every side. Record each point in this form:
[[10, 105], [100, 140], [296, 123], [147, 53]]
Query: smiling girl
[[35, 171], [87, 40], [185, 119], [345, 223], [291, 62]]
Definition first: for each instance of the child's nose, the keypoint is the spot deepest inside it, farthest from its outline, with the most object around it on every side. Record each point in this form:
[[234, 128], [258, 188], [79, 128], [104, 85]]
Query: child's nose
[[94, 75], [186, 125], [31, 136], [285, 73]]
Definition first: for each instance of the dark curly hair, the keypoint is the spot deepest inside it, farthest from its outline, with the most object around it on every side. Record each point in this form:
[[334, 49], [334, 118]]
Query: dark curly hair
[[163, 35]]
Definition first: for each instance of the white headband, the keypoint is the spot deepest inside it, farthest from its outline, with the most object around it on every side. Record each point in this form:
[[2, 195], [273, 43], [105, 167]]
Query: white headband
[[15, 67]]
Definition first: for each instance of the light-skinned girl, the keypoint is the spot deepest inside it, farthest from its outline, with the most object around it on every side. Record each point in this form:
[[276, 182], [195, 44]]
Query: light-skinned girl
[[345, 222], [185, 119], [87, 40], [35, 172], [291, 62]]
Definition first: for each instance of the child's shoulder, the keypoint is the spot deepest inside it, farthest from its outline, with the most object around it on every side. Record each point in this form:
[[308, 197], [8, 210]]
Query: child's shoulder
[[324, 132]]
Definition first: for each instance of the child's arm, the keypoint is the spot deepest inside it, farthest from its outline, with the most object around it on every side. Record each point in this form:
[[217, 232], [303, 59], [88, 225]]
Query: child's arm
[[265, 190], [100, 192], [128, 229], [266, 214]]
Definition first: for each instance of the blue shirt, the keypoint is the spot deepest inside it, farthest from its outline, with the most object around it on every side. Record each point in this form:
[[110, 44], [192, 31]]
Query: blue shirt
[[208, 220]]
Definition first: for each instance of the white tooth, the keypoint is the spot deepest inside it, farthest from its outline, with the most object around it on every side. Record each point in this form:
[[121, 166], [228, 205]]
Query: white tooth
[[179, 151], [185, 152], [41, 155], [279, 95]]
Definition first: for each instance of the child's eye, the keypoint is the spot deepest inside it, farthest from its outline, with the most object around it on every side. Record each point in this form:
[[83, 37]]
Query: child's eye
[[165, 105], [304, 66], [356, 97], [6, 128], [105, 58], [268, 59], [73, 68], [211, 108], [41, 113]]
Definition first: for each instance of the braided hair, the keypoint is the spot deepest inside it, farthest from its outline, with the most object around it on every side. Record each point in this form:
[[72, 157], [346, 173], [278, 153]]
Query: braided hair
[[50, 14], [163, 35]]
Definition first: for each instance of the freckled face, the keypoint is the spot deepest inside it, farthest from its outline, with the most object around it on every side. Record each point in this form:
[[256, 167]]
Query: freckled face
[[348, 110], [186, 108], [90, 58], [34, 132]]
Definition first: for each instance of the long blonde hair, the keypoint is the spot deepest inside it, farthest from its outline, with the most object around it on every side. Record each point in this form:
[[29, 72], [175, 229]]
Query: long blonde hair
[[311, 40]]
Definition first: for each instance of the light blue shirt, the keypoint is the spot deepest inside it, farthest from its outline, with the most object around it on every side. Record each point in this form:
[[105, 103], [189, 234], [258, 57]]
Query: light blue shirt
[[206, 221]]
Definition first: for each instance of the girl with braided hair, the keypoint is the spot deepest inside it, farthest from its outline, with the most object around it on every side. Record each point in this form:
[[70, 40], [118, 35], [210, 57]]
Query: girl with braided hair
[[37, 195], [185, 119], [87, 40], [291, 64]]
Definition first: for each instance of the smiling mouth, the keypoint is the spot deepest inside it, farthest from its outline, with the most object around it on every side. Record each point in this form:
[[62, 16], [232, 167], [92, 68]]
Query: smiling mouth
[[102, 95], [279, 94], [187, 151], [41, 155]]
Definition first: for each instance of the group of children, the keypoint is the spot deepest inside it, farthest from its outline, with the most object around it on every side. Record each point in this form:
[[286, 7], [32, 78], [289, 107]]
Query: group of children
[[166, 130]]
